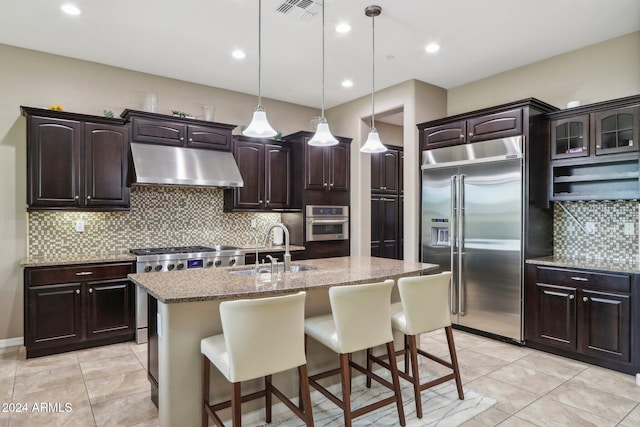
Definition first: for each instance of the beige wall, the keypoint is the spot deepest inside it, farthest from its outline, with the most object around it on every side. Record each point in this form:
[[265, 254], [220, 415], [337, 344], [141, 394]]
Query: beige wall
[[38, 80], [599, 72], [419, 102]]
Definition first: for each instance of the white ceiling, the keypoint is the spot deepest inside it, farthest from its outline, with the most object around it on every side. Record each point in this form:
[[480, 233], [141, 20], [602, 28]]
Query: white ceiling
[[192, 40]]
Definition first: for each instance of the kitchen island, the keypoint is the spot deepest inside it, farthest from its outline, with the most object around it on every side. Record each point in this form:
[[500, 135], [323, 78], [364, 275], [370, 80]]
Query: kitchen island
[[188, 303]]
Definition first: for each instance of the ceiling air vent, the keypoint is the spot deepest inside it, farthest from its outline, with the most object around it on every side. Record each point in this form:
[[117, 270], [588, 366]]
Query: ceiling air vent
[[302, 10]]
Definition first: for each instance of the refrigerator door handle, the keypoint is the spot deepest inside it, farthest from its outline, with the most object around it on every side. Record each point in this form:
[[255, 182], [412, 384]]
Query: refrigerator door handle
[[452, 242], [460, 243]]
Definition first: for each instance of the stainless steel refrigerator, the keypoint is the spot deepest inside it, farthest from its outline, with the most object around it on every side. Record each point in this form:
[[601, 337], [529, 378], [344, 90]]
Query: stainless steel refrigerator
[[472, 225]]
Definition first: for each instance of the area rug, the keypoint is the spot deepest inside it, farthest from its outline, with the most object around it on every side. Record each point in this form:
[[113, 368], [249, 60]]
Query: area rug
[[440, 407]]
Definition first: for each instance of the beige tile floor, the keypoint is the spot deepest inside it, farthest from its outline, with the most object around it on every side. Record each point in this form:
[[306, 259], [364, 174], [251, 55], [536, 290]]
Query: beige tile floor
[[107, 386]]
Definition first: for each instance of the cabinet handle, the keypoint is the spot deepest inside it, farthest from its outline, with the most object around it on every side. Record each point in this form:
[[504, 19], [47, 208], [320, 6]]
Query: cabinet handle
[[324, 184], [331, 185], [267, 202], [585, 299], [190, 139], [470, 133], [90, 290], [182, 138], [78, 291], [579, 279], [88, 197], [461, 136], [571, 297], [84, 273], [77, 197]]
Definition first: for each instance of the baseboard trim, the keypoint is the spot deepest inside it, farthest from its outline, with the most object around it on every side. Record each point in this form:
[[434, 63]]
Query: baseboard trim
[[11, 342]]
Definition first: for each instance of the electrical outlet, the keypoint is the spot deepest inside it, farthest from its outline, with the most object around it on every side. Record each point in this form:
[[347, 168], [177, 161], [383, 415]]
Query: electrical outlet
[[254, 223], [629, 229], [590, 227], [79, 226]]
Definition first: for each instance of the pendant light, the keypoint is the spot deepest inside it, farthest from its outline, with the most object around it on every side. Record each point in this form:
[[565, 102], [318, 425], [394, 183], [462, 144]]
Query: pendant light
[[323, 136], [259, 126], [373, 143]]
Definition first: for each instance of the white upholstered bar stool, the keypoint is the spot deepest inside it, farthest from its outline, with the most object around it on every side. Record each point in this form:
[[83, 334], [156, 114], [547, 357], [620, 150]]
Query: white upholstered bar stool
[[360, 318], [424, 307], [260, 337]]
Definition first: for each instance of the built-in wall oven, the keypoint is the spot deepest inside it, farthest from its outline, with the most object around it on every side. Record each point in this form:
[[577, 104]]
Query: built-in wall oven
[[327, 223]]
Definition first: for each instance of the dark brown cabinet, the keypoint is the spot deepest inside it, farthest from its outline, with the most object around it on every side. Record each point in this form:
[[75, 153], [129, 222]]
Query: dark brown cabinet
[[583, 314], [75, 161], [447, 132], [384, 226], [594, 151], [153, 128], [327, 168], [386, 203], [616, 130], [77, 306], [385, 172], [265, 166], [570, 137]]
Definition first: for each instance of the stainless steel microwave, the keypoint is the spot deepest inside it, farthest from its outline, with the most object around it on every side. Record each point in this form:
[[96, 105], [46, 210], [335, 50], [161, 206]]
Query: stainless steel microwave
[[327, 223]]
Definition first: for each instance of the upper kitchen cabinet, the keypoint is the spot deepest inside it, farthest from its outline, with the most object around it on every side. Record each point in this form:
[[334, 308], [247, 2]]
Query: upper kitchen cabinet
[[265, 166], [75, 161], [594, 151], [385, 171], [467, 128], [153, 128], [325, 170]]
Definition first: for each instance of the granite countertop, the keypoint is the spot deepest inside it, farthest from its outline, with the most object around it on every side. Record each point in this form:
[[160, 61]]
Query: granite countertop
[[219, 283], [64, 259], [589, 264]]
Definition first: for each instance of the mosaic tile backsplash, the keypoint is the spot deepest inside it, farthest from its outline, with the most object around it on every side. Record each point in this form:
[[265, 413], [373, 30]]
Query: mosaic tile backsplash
[[608, 242], [159, 216]]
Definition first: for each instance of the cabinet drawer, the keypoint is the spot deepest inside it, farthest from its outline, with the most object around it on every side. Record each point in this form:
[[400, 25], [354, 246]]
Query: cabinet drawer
[[77, 273], [585, 279]]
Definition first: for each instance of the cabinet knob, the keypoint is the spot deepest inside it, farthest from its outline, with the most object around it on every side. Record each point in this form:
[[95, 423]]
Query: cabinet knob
[[461, 136], [88, 197], [77, 197], [78, 291], [324, 184], [470, 133], [331, 185], [182, 138], [571, 297], [190, 139], [90, 290], [267, 202], [585, 299], [259, 201]]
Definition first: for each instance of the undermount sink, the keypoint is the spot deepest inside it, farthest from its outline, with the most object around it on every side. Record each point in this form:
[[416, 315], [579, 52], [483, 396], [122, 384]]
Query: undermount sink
[[251, 271]]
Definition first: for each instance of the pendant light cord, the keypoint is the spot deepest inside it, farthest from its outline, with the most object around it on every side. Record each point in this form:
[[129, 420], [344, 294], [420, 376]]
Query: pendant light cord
[[322, 59], [373, 69], [259, 53]]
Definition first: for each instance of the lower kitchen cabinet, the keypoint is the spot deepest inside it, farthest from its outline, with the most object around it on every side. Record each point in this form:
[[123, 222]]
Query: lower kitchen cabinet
[[587, 315], [77, 306]]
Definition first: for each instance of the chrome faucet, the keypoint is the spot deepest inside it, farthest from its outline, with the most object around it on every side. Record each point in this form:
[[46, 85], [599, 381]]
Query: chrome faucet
[[287, 255], [274, 264]]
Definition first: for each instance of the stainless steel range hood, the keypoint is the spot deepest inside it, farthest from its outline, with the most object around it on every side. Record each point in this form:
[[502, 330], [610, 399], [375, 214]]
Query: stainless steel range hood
[[164, 165]]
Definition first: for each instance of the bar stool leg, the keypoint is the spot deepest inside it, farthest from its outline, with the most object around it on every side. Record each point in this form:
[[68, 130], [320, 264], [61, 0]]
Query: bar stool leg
[[454, 361], [205, 390], [369, 367], [346, 388], [267, 398], [406, 356], [396, 381], [236, 406], [415, 372], [305, 396]]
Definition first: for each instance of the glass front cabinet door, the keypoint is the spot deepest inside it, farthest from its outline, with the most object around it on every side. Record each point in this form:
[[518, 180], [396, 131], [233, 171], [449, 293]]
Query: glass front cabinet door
[[616, 131], [570, 137]]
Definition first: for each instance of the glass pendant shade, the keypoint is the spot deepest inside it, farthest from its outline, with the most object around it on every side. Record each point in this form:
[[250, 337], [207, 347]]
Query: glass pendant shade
[[373, 144], [323, 136], [259, 126]]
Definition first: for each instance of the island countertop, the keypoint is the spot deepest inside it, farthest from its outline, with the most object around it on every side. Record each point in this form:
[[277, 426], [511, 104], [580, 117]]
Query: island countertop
[[220, 283]]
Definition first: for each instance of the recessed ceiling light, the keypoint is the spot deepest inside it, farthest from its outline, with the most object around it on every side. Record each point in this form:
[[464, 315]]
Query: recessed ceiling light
[[347, 83], [432, 47], [238, 54], [343, 28], [71, 9]]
